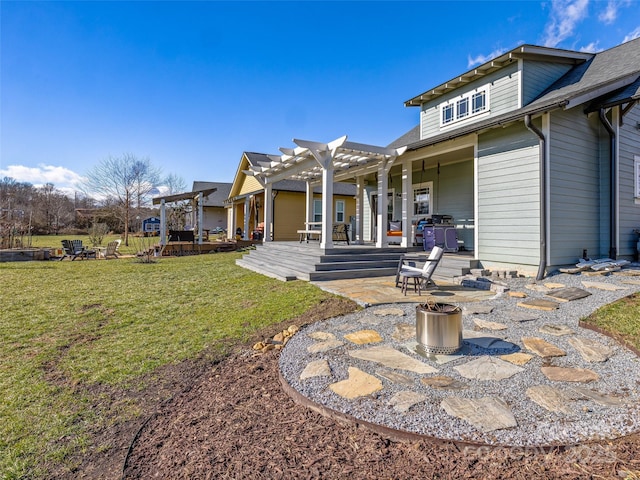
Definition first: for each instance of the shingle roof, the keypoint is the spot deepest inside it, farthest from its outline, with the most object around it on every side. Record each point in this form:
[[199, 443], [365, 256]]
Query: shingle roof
[[217, 198], [408, 138]]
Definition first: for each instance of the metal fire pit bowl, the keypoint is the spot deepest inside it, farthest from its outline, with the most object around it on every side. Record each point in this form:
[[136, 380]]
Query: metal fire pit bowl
[[438, 329]]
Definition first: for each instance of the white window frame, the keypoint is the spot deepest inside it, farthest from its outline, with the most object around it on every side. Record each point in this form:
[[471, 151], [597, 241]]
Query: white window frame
[[317, 209], [454, 105], [340, 210], [419, 186]]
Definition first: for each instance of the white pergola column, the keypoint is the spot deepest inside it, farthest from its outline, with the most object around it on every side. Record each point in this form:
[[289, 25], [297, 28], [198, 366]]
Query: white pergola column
[[232, 220], [245, 231], [200, 216], [383, 206], [163, 223], [308, 215], [407, 202], [268, 212], [327, 207], [359, 233]]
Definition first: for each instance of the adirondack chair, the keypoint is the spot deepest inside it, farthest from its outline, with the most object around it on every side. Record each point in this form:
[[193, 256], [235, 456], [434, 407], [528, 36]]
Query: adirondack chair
[[74, 249], [112, 249], [421, 276]]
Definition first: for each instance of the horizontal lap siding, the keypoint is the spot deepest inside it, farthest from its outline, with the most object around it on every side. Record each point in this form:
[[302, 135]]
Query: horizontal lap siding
[[503, 97], [629, 209], [575, 186], [537, 76], [508, 205], [454, 196]]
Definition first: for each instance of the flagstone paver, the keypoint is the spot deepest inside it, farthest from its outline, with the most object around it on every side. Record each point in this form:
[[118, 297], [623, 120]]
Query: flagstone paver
[[486, 414], [539, 304], [363, 337], [488, 368], [392, 358], [443, 382], [489, 325], [590, 350], [521, 316], [357, 385], [316, 368], [569, 374], [517, 294], [325, 346], [403, 401], [568, 294], [404, 331], [551, 398], [477, 309], [371, 320], [395, 377], [518, 358], [600, 398], [542, 348], [552, 285], [603, 286], [556, 330], [322, 336]]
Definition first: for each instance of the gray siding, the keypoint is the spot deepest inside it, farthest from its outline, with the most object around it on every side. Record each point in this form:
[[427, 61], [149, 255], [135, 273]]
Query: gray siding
[[575, 188], [508, 206], [629, 206], [537, 76], [503, 97]]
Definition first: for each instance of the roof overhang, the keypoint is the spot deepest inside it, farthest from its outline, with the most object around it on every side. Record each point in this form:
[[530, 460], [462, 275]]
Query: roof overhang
[[300, 163], [526, 52], [183, 196]]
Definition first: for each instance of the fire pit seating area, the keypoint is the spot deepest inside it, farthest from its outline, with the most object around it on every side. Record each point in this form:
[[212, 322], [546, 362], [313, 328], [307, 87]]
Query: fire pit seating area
[[421, 277]]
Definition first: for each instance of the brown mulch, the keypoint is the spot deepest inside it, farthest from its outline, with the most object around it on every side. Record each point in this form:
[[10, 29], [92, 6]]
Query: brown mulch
[[234, 421]]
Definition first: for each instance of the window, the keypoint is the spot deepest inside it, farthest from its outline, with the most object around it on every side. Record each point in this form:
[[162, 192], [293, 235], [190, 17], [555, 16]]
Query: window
[[339, 211], [465, 106], [422, 205], [478, 102], [317, 210]]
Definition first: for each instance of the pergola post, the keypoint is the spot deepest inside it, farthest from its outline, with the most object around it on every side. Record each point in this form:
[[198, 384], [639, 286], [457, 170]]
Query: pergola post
[[407, 194], [200, 217], [163, 223], [268, 212], [383, 207], [245, 230], [359, 233], [327, 207]]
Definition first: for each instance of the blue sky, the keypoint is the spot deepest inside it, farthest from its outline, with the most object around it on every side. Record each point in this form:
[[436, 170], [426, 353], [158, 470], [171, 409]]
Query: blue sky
[[191, 85]]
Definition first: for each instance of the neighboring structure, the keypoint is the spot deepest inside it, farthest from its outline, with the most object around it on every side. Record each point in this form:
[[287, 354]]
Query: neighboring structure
[[246, 203], [213, 206], [151, 225], [537, 150]]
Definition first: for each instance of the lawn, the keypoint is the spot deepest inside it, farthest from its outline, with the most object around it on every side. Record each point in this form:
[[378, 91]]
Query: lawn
[[66, 327]]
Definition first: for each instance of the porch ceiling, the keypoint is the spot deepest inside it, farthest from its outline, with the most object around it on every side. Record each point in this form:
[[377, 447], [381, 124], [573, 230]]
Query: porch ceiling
[[301, 163]]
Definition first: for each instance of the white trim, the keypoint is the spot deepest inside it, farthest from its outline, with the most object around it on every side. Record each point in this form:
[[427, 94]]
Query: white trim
[[455, 103], [417, 186], [337, 211], [476, 198]]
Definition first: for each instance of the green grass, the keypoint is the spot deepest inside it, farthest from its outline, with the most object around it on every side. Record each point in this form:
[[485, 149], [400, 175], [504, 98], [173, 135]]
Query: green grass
[[65, 326], [620, 319]]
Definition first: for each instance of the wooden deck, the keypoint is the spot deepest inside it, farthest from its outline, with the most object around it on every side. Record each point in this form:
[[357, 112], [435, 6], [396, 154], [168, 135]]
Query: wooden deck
[[191, 248]]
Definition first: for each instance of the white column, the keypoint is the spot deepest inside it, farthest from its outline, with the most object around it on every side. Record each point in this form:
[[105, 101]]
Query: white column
[[163, 223], [407, 195], [359, 233], [327, 206], [308, 215], [383, 202], [200, 216], [245, 230], [268, 212]]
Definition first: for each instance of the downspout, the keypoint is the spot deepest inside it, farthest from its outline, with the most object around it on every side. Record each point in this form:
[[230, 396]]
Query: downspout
[[613, 249], [543, 195]]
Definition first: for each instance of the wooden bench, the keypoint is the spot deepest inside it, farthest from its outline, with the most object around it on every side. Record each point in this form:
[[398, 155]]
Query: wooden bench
[[306, 234]]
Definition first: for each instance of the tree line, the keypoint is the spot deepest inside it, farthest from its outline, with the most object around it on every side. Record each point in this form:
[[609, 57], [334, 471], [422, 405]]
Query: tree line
[[116, 192]]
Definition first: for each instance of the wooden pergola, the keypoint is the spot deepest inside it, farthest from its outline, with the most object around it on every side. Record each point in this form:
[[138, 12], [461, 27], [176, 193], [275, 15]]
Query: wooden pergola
[[326, 163], [197, 197]]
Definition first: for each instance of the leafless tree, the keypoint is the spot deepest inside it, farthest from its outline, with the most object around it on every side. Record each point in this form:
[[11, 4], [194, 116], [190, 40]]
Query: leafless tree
[[128, 180]]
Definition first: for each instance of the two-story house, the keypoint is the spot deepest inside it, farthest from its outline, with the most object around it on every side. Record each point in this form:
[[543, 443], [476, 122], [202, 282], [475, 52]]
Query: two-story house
[[537, 152]]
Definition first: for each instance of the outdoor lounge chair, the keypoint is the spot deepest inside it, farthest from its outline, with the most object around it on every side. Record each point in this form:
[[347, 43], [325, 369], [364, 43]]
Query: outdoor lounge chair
[[112, 249], [421, 276], [74, 249]]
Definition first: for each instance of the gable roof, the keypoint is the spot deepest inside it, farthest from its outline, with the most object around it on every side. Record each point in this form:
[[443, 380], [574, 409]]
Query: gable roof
[[605, 73], [216, 198], [408, 138]]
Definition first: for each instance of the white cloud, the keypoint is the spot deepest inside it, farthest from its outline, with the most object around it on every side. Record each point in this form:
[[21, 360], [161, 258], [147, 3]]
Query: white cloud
[[632, 36], [591, 48], [565, 16], [610, 13], [60, 177], [480, 59]]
